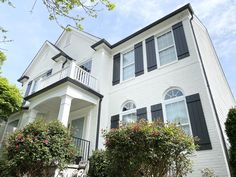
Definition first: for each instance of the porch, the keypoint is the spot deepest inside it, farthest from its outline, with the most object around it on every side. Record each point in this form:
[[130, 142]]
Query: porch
[[78, 115]]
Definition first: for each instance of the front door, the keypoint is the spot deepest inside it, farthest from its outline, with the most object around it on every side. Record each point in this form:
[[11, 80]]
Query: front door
[[77, 127]]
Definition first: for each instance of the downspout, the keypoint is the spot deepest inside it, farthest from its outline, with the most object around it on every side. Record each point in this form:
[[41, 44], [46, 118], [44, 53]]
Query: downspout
[[98, 123], [211, 97], [63, 64]]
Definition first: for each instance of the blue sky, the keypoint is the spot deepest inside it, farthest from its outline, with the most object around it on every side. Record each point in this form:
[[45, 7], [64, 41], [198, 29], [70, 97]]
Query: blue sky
[[30, 30]]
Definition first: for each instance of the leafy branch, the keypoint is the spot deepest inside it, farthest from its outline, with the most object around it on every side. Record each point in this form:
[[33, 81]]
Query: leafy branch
[[63, 8]]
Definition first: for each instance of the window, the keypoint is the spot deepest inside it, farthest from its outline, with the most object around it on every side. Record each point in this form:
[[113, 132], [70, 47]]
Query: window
[[166, 48], [176, 109], [128, 113], [12, 126], [128, 67], [87, 66]]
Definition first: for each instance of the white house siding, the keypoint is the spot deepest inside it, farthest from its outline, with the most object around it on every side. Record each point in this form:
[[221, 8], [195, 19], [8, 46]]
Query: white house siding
[[221, 92], [148, 89]]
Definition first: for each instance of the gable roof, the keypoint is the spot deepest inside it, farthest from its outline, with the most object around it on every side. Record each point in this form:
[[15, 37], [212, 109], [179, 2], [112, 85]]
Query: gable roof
[[83, 33], [54, 47], [103, 41], [62, 53]]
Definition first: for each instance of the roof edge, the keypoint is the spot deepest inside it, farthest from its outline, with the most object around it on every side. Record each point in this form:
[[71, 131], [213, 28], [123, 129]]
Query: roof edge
[[187, 6]]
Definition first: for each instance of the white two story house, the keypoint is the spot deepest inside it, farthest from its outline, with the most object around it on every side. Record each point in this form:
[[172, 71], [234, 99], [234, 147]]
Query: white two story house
[[168, 71]]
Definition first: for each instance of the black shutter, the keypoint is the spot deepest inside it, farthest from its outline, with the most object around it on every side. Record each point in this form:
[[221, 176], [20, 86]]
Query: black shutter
[[180, 41], [151, 54], [116, 69], [157, 114], [28, 88], [198, 123], [138, 54], [142, 113], [115, 121]]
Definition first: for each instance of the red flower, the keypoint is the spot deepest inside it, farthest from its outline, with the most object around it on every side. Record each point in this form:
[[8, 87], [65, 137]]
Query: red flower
[[136, 128], [155, 133], [45, 141], [19, 136]]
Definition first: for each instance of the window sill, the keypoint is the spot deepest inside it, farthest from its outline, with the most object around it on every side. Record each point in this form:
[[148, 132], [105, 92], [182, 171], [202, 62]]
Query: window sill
[[168, 64], [127, 80]]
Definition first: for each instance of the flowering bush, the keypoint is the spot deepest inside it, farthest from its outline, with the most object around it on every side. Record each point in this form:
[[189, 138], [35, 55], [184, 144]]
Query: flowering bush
[[98, 164], [148, 149], [37, 150]]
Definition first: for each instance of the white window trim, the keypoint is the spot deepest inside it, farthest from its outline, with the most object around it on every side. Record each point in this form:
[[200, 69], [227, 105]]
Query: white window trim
[[157, 50], [174, 100], [122, 67], [123, 113]]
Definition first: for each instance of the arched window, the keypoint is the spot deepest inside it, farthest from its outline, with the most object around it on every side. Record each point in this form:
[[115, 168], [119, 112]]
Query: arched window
[[128, 112], [175, 109]]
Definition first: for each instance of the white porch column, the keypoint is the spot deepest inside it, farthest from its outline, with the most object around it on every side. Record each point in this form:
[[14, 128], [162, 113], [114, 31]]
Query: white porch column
[[72, 69], [64, 111]]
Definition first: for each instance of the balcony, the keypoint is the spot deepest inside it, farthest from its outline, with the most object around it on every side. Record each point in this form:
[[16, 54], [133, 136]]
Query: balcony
[[72, 71]]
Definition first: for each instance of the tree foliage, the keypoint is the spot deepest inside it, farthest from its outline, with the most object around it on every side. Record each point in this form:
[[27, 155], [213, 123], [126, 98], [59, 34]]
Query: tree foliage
[[98, 164], [10, 98], [146, 149], [2, 59], [230, 126], [37, 150], [70, 9]]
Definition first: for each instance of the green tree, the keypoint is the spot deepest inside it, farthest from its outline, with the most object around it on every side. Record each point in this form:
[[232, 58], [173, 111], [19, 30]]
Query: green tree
[[2, 59], [230, 126], [10, 98]]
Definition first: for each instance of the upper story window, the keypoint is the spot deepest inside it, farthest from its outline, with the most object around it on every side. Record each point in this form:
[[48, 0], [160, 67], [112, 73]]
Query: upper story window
[[166, 48], [128, 67], [128, 113], [175, 109], [87, 66]]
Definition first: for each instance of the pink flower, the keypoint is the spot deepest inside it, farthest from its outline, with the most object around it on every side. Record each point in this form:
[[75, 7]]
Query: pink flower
[[45, 141], [19, 136]]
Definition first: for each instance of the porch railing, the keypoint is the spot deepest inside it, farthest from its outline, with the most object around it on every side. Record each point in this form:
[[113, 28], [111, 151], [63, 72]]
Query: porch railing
[[83, 146], [73, 71], [85, 78]]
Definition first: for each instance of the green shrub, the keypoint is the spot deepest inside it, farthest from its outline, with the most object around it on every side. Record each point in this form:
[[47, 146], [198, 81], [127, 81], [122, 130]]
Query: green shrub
[[230, 126], [37, 150], [148, 149], [98, 164]]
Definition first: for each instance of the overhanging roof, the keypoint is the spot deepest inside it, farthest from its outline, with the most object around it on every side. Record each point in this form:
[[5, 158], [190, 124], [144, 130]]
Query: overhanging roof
[[103, 41]]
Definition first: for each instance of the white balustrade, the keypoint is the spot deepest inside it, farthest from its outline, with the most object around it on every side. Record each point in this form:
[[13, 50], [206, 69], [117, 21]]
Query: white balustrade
[[77, 74], [85, 78]]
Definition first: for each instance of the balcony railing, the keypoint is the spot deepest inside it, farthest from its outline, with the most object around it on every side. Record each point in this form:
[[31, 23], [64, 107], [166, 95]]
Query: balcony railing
[[73, 71], [83, 147]]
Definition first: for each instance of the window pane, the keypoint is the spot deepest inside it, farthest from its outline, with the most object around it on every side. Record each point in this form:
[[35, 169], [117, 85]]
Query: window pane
[[87, 66], [128, 106], [167, 56], [173, 94], [165, 40], [11, 127], [128, 72], [129, 118], [186, 129], [176, 112], [128, 58]]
